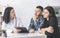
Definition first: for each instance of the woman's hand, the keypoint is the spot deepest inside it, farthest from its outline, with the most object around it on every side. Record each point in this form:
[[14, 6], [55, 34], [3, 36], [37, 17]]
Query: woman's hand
[[50, 29], [42, 31], [16, 30], [31, 31]]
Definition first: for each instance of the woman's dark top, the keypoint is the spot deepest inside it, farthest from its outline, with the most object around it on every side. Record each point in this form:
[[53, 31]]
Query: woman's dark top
[[52, 22]]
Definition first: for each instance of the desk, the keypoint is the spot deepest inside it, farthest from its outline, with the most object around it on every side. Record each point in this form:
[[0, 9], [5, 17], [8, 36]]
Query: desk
[[27, 35]]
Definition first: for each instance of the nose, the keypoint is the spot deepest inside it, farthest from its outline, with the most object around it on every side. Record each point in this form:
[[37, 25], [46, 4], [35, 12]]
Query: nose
[[14, 14]]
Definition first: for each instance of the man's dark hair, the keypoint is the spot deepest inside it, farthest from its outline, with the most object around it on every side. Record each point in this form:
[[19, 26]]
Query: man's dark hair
[[6, 16], [40, 7]]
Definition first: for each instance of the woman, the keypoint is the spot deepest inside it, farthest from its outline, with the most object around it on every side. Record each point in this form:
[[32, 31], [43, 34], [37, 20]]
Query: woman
[[10, 21], [50, 27]]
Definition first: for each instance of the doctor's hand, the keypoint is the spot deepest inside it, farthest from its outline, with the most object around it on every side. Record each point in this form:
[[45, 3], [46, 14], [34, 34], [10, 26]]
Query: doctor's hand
[[31, 31], [16, 30]]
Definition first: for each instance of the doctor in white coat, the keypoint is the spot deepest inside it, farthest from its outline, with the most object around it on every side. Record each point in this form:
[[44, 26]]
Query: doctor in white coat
[[10, 21]]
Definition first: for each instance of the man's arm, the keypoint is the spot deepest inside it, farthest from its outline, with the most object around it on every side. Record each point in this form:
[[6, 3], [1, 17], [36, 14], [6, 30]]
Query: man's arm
[[31, 26]]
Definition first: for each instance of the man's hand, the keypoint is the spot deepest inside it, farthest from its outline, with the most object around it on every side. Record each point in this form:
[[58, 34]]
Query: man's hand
[[35, 17], [31, 31]]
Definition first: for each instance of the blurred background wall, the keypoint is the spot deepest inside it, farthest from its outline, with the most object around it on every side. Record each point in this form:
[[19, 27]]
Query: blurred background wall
[[24, 9]]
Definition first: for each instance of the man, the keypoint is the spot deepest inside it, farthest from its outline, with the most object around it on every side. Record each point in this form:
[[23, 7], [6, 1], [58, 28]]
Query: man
[[36, 20]]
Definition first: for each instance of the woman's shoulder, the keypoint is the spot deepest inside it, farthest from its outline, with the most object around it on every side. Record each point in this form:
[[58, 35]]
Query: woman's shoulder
[[53, 21], [53, 18], [3, 24]]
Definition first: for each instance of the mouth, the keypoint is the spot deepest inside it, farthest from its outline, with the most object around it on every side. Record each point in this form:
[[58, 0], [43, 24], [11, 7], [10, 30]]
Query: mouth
[[35, 14]]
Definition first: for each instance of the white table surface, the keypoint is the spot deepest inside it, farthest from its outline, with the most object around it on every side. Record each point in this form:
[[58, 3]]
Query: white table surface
[[27, 35]]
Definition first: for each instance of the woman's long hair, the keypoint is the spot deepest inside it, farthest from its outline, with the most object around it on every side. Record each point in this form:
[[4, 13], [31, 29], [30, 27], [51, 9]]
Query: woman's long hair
[[6, 16], [51, 11]]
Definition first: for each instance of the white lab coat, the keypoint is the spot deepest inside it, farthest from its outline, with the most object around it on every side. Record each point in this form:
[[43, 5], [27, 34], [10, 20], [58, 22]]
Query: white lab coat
[[13, 23]]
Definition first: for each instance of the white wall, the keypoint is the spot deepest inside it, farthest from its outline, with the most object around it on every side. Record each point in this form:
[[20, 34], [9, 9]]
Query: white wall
[[25, 8]]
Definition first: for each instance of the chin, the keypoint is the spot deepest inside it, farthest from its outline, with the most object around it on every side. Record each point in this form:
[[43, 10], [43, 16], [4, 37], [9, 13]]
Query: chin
[[44, 16]]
